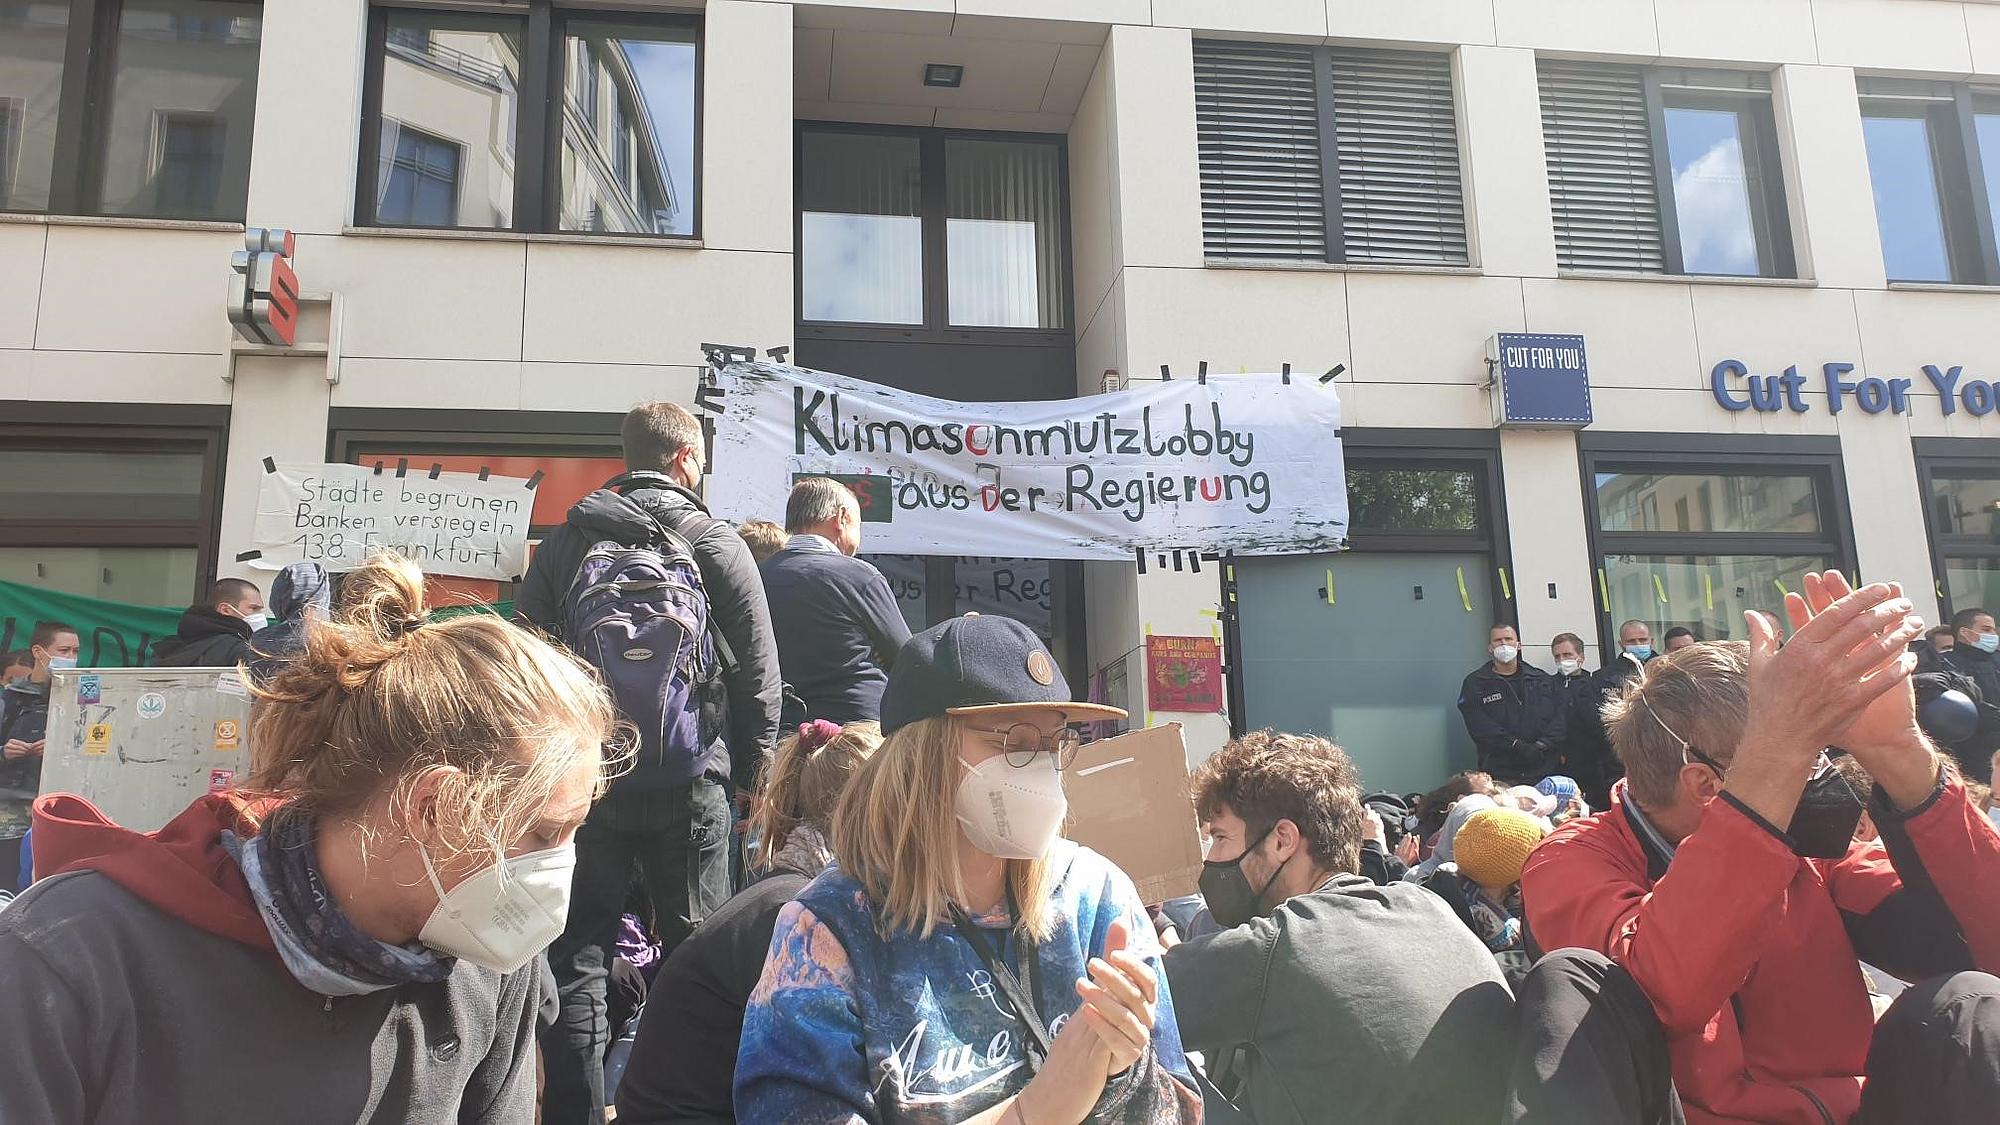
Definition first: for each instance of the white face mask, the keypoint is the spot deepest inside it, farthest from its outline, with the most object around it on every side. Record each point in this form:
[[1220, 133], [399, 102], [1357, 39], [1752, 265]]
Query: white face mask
[[1505, 654], [256, 621], [1012, 813], [504, 914], [1568, 667]]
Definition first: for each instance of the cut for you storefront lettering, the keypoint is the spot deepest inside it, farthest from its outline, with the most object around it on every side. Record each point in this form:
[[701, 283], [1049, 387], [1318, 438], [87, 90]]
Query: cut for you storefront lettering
[[1736, 388]]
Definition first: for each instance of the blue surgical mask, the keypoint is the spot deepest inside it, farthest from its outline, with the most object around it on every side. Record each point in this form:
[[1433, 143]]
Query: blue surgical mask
[[1643, 652], [61, 663], [1988, 642]]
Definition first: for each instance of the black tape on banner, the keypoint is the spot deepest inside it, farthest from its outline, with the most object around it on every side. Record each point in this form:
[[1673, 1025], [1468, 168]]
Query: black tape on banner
[[485, 471], [778, 354], [1166, 374], [1194, 561], [708, 398], [436, 468], [536, 480], [1287, 374], [378, 468], [402, 467], [1178, 566], [1330, 376], [246, 556], [1201, 373], [1141, 553], [270, 466]]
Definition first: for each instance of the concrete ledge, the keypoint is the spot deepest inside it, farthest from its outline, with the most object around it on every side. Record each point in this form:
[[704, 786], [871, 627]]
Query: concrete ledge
[[661, 242]]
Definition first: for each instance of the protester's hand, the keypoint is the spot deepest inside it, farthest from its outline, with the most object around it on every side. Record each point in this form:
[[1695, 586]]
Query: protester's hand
[[1410, 850], [1803, 694], [37, 746], [1886, 738], [1119, 999], [1071, 1080], [1371, 826], [16, 748]]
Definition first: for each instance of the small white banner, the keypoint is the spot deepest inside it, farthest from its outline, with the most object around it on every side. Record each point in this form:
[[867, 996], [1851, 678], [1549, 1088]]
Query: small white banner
[[1244, 463], [335, 515]]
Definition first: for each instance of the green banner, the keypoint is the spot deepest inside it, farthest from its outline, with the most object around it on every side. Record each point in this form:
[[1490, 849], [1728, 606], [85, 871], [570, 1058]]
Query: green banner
[[116, 635]]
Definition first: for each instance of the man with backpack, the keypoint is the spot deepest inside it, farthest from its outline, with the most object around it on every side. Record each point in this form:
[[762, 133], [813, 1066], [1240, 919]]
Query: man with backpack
[[666, 602]]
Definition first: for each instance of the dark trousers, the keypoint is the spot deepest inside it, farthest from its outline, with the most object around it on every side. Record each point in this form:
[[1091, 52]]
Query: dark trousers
[[1590, 1050], [677, 840]]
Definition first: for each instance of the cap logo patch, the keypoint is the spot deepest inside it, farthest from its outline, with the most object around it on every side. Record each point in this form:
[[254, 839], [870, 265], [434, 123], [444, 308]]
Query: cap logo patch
[[1040, 669]]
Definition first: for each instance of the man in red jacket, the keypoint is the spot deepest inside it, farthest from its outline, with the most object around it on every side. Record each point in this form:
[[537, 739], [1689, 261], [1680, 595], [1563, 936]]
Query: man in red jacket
[[1715, 915]]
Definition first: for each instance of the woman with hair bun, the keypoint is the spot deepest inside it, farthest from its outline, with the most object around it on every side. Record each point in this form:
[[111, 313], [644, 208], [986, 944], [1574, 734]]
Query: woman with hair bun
[[684, 1063], [352, 936]]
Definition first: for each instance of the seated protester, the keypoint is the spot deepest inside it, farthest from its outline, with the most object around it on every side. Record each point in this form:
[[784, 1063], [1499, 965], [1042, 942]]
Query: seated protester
[[1568, 797], [1433, 807], [1490, 851], [1453, 821], [1341, 992], [683, 1066], [216, 632], [1382, 836], [351, 937], [300, 592], [919, 979], [1716, 914]]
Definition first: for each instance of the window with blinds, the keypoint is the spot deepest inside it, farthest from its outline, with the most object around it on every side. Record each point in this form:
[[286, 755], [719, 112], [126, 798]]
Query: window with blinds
[[1602, 183], [1275, 122], [1396, 136], [1257, 124]]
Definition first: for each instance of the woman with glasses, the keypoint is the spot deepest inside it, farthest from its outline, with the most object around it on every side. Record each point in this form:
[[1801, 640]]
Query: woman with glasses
[[960, 962]]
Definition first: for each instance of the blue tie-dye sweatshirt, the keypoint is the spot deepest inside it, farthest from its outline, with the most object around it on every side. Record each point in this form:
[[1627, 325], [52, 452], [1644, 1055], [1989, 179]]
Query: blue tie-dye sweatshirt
[[847, 1026]]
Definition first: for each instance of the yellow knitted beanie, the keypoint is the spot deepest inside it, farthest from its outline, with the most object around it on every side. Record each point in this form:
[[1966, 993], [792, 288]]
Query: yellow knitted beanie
[[1493, 845]]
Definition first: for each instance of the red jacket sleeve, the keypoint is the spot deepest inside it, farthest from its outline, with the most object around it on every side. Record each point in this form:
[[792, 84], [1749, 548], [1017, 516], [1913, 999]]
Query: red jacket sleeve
[[1961, 851], [1690, 940]]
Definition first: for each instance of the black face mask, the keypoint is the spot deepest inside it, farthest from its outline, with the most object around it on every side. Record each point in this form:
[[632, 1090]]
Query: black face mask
[[1227, 890], [1823, 825]]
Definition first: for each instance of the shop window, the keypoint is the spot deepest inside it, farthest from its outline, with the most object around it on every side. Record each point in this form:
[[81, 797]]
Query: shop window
[[1934, 163], [1664, 170], [1328, 154], [1412, 499], [1684, 543], [932, 230], [1964, 506], [158, 125], [107, 504], [459, 82]]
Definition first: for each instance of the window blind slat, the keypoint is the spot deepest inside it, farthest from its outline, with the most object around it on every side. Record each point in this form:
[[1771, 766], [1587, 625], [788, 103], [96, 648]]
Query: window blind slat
[[1257, 124], [1396, 132]]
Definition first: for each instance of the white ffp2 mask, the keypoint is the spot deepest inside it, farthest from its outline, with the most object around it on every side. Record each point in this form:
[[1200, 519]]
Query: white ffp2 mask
[[503, 915], [1012, 813], [1505, 654]]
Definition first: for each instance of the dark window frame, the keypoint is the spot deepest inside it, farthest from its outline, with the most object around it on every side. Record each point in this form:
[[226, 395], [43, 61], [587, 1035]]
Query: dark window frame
[[1949, 458], [1324, 60], [126, 428], [1950, 115], [1755, 104], [932, 208], [1723, 454], [84, 105], [538, 137]]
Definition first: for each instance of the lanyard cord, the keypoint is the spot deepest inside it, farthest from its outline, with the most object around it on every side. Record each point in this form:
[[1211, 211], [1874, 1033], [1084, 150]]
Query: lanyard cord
[[1022, 998]]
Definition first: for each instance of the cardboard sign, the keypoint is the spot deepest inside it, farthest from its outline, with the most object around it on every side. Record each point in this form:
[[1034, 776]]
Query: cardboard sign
[[1128, 801], [334, 515], [1184, 674]]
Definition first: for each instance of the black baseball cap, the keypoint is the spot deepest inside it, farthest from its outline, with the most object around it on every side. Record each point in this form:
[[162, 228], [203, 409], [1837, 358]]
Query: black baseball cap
[[978, 665]]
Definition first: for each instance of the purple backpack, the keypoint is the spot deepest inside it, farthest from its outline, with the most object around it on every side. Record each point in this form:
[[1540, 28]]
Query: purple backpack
[[640, 616]]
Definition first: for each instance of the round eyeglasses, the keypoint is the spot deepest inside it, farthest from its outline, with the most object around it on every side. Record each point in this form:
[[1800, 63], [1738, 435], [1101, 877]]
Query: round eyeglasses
[[1022, 741]]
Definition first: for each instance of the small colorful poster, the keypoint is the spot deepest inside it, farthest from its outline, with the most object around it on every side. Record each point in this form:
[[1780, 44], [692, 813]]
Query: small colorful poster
[[89, 690], [227, 734], [152, 705], [97, 739], [218, 780], [1184, 674]]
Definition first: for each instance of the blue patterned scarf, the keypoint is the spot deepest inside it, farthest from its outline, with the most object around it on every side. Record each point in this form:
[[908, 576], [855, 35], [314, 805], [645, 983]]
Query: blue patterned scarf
[[321, 946]]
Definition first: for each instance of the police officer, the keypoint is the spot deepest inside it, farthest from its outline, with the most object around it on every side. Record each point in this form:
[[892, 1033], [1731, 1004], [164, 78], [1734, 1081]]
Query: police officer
[[1513, 711]]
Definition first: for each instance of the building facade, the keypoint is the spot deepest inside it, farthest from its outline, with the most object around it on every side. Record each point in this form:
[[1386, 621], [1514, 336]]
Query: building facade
[[1772, 222]]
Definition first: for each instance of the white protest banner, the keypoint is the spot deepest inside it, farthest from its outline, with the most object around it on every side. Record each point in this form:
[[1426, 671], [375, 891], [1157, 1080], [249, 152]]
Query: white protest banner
[[334, 515], [1244, 463]]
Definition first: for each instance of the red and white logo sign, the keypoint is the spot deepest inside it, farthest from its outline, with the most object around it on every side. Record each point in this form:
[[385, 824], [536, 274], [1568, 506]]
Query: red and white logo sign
[[263, 290]]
